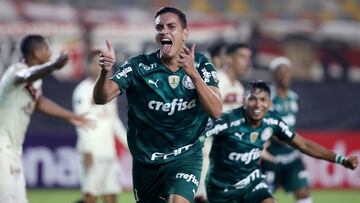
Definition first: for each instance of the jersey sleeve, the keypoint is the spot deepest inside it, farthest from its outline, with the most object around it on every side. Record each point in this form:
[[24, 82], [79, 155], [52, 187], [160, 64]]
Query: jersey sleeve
[[282, 130], [207, 71], [216, 127], [124, 75]]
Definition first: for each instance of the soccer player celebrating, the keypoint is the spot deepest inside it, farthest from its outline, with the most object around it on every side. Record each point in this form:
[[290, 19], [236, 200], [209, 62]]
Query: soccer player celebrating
[[285, 167], [171, 93], [20, 94], [239, 135], [238, 57]]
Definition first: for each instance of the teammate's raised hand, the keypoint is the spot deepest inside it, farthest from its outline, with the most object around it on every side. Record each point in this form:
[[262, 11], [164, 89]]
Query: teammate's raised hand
[[107, 57], [61, 61], [186, 60], [351, 162]]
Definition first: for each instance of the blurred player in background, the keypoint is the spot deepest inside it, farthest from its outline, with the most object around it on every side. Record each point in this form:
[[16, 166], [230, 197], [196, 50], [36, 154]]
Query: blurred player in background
[[171, 94], [285, 167], [100, 167], [217, 52], [234, 173], [20, 94], [238, 57]]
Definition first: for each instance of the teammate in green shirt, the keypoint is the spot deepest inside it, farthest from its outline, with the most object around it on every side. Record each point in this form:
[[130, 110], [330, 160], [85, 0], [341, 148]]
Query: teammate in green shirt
[[285, 167], [239, 135], [171, 94]]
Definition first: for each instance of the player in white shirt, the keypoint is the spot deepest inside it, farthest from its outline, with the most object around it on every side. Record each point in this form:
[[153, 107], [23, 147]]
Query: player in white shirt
[[236, 65], [100, 167], [20, 94]]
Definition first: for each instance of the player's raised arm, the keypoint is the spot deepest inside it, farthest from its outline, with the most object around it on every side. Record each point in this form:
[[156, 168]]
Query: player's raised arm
[[40, 71], [105, 89], [48, 107], [317, 151], [209, 97]]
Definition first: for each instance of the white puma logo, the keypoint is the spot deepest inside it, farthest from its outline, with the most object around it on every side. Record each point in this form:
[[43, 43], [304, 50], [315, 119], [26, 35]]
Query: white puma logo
[[239, 135], [154, 83]]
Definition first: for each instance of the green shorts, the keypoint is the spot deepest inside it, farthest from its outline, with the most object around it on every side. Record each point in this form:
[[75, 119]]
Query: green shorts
[[154, 183], [291, 176], [255, 192]]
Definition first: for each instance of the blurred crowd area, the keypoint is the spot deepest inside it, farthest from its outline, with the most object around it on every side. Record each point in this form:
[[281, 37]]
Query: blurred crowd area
[[319, 36]]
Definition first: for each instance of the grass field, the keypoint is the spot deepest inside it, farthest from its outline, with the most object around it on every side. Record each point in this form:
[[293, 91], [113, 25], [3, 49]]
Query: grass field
[[70, 196]]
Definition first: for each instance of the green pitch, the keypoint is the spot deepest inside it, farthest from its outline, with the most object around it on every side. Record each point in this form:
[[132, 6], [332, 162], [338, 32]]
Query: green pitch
[[70, 196]]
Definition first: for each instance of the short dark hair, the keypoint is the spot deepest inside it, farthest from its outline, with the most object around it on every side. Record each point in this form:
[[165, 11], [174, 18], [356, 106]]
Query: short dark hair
[[30, 43], [215, 48], [259, 84], [232, 48], [176, 11]]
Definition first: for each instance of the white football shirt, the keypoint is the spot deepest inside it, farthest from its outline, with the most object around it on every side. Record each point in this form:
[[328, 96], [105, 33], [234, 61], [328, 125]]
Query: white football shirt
[[17, 103], [100, 140], [232, 93]]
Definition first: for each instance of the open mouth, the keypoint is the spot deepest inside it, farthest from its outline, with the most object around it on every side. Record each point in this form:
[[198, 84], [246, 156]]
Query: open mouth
[[166, 45]]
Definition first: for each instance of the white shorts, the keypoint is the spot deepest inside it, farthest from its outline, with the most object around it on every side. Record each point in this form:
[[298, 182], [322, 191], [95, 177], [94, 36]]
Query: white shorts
[[12, 181], [102, 178], [206, 161]]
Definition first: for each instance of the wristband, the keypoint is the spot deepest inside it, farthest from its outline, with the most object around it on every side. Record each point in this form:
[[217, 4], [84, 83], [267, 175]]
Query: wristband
[[339, 159]]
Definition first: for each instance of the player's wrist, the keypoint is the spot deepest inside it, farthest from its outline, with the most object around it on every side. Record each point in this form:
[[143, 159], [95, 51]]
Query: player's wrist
[[339, 159]]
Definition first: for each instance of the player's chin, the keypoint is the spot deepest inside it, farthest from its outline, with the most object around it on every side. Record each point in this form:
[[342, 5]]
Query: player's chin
[[256, 117]]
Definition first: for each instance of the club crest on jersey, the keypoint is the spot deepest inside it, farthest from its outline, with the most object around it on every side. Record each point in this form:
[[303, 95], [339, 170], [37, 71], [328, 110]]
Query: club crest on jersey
[[266, 133], [187, 83], [254, 136], [174, 81], [214, 75]]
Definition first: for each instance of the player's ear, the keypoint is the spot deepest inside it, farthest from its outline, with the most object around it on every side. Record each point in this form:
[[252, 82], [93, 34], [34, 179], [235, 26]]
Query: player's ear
[[36, 53], [185, 34]]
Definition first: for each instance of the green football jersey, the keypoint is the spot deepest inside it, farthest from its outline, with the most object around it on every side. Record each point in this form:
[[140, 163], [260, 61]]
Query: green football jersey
[[288, 109], [165, 116], [237, 147]]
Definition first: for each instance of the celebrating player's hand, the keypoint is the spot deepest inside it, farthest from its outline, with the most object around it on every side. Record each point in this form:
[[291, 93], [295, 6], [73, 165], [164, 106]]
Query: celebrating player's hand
[[186, 60], [350, 162], [61, 61], [107, 57]]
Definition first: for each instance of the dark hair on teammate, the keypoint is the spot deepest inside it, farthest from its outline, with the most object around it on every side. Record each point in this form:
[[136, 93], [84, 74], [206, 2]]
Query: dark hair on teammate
[[259, 84], [232, 48], [30, 43], [176, 11], [215, 48]]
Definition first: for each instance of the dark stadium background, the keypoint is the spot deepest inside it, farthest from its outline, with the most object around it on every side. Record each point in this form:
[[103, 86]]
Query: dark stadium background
[[321, 37]]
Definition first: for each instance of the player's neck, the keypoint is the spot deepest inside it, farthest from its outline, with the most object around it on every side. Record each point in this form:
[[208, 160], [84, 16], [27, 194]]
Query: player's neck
[[31, 62], [170, 63], [231, 75], [253, 123], [282, 91]]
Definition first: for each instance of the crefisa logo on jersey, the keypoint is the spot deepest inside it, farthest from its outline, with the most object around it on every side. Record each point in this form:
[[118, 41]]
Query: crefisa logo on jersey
[[266, 133], [187, 83], [174, 81]]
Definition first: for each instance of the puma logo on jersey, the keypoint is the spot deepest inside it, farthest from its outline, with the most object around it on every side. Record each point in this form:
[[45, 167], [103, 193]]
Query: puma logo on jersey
[[239, 135], [246, 157], [175, 105], [154, 82]]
